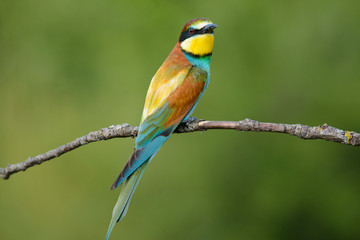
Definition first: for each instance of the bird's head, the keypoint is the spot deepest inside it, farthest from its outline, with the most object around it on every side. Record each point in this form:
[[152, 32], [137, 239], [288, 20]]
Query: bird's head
[[197, 37]]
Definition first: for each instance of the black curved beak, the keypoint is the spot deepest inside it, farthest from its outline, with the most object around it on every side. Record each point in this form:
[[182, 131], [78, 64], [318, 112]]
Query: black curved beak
[[209, 28]]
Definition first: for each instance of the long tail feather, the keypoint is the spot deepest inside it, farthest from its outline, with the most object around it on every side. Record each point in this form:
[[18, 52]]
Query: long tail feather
[[126, 194]]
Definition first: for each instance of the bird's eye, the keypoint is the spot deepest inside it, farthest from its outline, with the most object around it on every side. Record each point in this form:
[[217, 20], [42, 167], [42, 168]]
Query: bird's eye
[[191, 30]]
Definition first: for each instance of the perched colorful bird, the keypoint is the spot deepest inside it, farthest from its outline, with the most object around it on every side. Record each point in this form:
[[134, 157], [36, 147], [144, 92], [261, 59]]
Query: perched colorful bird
[[172, 96]]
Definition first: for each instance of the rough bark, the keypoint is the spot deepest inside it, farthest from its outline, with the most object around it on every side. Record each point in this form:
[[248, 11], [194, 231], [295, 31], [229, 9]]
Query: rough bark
[[324, 132]]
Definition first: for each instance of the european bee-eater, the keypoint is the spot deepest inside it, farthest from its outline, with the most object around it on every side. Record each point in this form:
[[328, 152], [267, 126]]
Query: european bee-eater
[[172, 96]]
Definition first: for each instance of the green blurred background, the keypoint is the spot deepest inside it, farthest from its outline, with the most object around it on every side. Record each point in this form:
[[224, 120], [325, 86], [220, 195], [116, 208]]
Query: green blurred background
[[71, 67]]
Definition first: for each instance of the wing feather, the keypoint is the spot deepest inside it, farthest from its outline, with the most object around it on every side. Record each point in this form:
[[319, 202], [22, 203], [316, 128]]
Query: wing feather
[[161, 87]]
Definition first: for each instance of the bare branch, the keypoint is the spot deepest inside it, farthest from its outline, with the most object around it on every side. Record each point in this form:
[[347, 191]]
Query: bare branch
[[324, 132]]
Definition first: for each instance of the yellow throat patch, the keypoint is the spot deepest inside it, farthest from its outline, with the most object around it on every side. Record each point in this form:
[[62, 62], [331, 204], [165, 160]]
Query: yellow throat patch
[[199, 45]]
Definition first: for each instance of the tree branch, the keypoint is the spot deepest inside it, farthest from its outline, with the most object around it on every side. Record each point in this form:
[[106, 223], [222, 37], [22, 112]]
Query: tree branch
[[324, 132]]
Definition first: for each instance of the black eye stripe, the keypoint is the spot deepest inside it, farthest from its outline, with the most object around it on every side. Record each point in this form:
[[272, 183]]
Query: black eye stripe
[[187, 34], [194, 31]]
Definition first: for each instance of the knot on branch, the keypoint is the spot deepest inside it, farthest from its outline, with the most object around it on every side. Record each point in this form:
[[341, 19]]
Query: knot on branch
[[120, 130], [249, 125]]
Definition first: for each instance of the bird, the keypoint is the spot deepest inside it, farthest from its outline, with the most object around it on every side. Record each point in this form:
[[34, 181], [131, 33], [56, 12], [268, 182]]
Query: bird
[[173, 94]]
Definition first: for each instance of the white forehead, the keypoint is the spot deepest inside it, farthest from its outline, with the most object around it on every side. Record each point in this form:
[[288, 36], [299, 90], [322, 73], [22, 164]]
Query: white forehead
[[201, 24]]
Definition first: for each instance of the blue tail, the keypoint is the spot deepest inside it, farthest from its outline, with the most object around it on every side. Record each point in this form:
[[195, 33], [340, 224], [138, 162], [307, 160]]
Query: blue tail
[[126, 194], [131, 174]]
